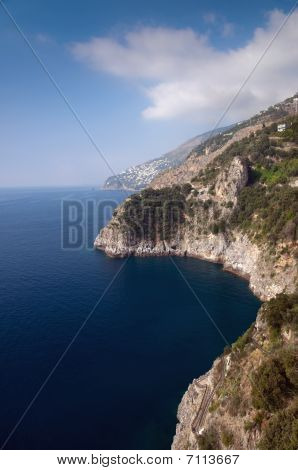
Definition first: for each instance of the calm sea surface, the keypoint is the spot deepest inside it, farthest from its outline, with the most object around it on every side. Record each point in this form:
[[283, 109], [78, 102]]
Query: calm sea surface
[[119, 385]]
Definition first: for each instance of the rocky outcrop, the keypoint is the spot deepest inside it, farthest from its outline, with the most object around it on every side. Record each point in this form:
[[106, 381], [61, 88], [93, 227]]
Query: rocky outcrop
[[234, 251], [230, 181], [267, 275]]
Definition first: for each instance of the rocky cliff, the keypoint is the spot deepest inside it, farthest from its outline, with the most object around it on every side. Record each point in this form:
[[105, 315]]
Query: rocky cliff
[[235, 202], [267, 276], [207, 230], [248, 399]]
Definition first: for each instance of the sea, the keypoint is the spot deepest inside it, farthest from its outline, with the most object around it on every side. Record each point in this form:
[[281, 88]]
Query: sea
[[96, 352]]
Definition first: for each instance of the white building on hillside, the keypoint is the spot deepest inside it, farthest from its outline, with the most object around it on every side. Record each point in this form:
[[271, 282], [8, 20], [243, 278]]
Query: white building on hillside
[[281, 127]]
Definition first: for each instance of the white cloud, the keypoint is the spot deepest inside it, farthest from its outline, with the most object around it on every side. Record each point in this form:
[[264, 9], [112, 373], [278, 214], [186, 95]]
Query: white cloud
[[183, 75]]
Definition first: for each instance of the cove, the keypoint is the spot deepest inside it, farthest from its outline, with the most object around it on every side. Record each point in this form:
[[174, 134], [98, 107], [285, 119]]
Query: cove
[[120, 383]]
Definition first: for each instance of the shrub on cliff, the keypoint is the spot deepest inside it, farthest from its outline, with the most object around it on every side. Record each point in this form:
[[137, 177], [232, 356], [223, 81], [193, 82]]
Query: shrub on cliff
[[281, 310], [291, 133], [209, 440], [270, 385], [281, 431], [153, 214], [264, 212], [227, 438], [243, 340]]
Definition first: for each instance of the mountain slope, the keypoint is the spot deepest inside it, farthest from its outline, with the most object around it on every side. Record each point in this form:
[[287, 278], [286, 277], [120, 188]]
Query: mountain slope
[[139, 176], [210, 148]]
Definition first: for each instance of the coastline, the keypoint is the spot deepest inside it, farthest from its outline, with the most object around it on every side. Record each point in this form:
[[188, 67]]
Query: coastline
[[254, 266]]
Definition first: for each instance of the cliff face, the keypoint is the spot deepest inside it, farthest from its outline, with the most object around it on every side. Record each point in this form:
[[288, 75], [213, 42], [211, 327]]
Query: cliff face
[[235, 204], [197, 235], [235, 251], [248, 399]]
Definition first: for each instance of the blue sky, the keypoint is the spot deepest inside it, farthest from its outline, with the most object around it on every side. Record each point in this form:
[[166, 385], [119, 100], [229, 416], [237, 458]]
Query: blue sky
[[142, 76]]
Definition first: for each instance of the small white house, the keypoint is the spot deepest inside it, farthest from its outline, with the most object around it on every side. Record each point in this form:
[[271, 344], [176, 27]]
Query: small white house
[[281, 127]]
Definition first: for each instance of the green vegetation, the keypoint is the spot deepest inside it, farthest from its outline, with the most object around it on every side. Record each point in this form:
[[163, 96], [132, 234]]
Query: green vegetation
[[207, 175], [276, 380], [208, 440], [281, 431], [267, 207], [267, 214], [214, 405], [153, 214], [282, 310], [217, 141], [235, 403], [255, 423], [291, 133], [248, 425], [218, 227], [227, 438], [272, 385], [229, 392], [267, 391], [243, 340], [278, 173]]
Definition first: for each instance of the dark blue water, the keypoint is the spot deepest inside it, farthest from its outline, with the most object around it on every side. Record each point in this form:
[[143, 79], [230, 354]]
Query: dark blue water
[[119, 385]]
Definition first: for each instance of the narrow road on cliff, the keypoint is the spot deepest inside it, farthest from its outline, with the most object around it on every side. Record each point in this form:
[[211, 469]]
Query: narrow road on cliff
[[208, 395]]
